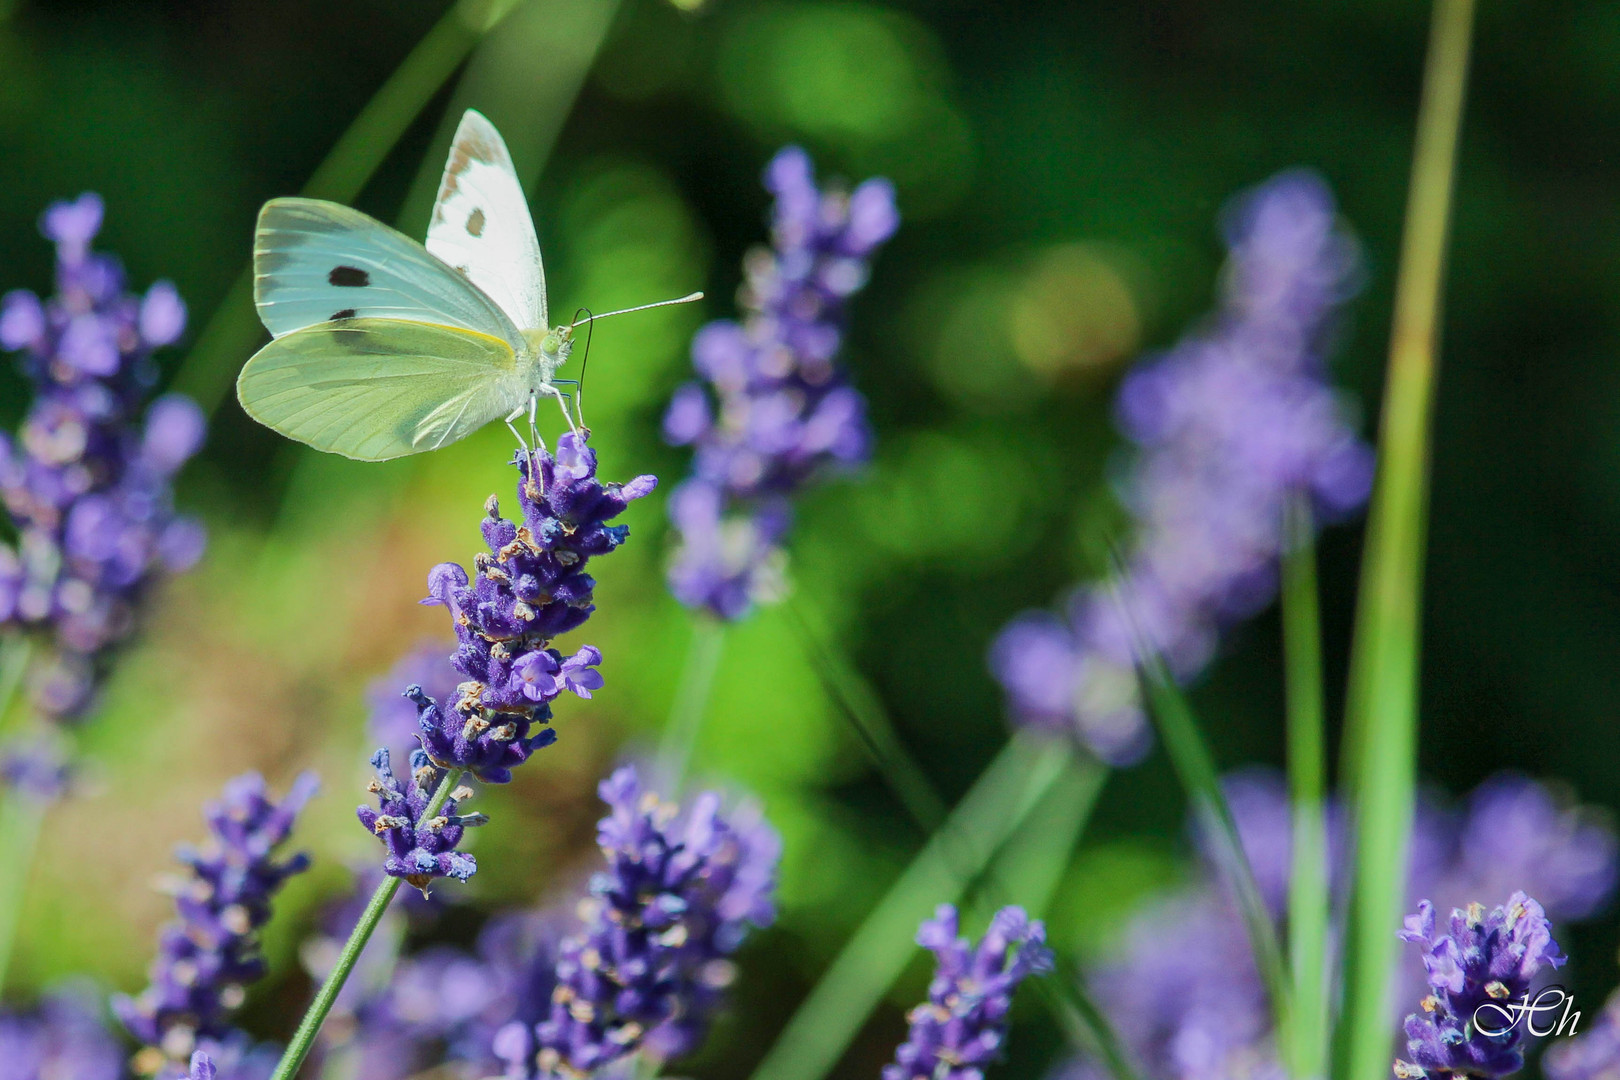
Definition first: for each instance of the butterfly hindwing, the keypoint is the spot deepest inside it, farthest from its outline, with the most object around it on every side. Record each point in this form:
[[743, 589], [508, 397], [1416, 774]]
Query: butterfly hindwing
[[481, 224], [374, 389], [316, 261]]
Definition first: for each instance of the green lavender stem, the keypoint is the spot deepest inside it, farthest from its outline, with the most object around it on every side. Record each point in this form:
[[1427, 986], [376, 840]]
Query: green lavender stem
[[1381, 707], [304, 1038], [1194, 764], [21, 818], [1307, 770], [691, 700]]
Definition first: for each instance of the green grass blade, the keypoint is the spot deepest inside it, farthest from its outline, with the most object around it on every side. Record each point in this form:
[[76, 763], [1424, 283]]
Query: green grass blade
[[855, 699], [685, 721], [1308, 902], [992, 810], [1381, 708], [1195, 766], [233, 331]]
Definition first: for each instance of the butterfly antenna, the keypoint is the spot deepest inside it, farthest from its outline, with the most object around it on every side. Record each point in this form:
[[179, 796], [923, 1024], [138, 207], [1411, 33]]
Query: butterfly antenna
[[687, 299], [579, 401]]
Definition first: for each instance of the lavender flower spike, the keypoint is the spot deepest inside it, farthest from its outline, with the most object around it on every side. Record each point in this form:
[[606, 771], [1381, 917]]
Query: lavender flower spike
[[647, 968], [782, 410], [206, 959], [1485, 963], [530, 587], [86, 482], [964, 1022], [202, 1067], [1233, 423], [418, 850]]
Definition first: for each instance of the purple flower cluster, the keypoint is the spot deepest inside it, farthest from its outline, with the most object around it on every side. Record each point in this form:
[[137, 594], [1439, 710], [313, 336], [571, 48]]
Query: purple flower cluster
[[1182, 988], [61, 1037], [420, 848], [87, 485], [1229, 425], [648, 968], [962, 1026], [530, 587], [1487, 961], [781, 408], [206, 959]]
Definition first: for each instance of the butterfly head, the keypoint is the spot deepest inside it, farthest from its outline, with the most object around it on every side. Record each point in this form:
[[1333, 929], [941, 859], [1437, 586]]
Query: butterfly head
[[551, 347]]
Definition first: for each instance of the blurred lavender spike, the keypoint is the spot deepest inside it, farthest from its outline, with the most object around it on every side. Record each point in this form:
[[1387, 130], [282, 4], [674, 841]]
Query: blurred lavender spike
[[86, 481], [206, 958], [62, 1036], [1227, 426], [960, 1029], [772, 408]]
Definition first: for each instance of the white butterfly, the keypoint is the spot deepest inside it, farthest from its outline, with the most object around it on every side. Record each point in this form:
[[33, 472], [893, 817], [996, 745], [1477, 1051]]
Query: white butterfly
[[383, 347]]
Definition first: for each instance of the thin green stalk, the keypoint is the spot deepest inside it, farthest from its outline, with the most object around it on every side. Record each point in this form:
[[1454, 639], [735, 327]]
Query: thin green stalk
[[21, 819], [1308, 901], [232, 332], [1382, 700], [992, 810], [304, 1038], [691, 700], [856, 700], [1194, 764]]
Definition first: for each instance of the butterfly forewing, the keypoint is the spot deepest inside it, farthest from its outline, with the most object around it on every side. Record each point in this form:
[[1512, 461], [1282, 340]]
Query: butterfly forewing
[[481, 224], [374, 389], [315, 262]]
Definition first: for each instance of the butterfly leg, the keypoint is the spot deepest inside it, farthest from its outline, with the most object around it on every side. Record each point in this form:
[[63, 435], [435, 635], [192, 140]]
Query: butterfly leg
[[579, 401], [562, 403], [517, 412]]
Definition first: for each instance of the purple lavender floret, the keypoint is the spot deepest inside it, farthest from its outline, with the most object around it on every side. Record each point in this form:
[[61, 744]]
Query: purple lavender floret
[[202, 1067], [418, 850], [87, 483], [962, 1026], [1228, 426], [530, 587], [649, 965], [60, 1037], [772, 409], [1487, 961], [206, 958]]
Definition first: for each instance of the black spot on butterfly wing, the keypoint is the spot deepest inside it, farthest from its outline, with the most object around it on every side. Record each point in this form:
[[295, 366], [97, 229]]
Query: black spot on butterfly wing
[[351, 277], [346, 313], [475, 222]]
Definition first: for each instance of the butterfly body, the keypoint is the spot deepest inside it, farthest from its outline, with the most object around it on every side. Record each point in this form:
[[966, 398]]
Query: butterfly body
[[382, 346]]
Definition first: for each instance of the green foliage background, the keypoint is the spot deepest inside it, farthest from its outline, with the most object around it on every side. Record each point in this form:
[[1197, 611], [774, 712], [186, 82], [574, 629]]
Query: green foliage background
[[1060, 166]]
